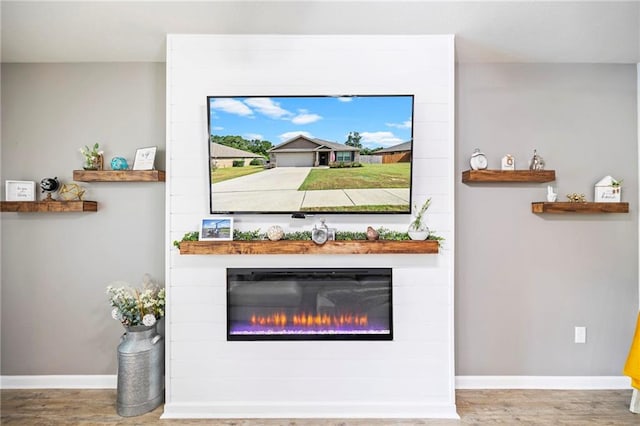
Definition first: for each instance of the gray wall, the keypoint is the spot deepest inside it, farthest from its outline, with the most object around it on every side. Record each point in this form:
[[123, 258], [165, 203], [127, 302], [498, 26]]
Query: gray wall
[[55, 267], [522, 281]]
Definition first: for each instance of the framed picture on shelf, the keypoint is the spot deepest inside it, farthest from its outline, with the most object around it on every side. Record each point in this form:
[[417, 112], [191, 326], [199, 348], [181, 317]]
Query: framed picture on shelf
[[145, 158], [20, 190], [216, 229]]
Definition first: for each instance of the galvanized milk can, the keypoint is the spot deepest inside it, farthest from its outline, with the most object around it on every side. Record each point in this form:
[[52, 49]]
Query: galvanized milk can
[[140, 371]]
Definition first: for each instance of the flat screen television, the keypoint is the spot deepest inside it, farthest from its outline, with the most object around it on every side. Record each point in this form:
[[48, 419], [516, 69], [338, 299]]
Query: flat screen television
[[310, 154]]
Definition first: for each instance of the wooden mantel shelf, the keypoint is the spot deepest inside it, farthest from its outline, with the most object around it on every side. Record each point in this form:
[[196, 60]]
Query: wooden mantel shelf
[[494, 176], [566, 207], [48, 206], [309, 247], [119, 175]]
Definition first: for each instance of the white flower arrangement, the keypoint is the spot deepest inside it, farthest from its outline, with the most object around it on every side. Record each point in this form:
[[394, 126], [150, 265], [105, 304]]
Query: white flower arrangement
[[134, 307]]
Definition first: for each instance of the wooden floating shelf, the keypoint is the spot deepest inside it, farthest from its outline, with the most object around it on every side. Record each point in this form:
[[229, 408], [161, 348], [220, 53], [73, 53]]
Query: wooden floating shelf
[[48, 206], [495, 176], [119, 175], [566, 207], [309, 247]]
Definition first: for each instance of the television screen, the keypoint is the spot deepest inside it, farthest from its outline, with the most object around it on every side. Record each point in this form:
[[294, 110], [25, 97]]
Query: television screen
[[310, 154]]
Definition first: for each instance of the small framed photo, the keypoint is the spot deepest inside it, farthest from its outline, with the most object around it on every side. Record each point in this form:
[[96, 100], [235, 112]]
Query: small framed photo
[[145, 158], [216, 229], [20, 190]]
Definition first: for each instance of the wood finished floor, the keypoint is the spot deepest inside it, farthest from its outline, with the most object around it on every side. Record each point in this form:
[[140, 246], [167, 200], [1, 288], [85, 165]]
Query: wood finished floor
[[475, 407]]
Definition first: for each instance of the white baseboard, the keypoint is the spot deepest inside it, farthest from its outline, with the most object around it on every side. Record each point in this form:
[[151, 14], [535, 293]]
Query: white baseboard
[[462, 382], [325, 410], [59, 382], [543, 382]]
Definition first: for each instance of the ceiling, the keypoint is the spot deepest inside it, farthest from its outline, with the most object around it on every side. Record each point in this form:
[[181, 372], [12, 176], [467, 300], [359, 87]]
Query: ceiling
[[507, 31]]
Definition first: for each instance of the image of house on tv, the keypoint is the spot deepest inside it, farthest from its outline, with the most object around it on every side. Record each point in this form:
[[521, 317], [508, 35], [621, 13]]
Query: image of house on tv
[[301, 151]]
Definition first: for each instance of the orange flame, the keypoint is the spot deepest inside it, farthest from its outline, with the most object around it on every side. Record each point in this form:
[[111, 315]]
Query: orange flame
[[307, 320], [278, 319]]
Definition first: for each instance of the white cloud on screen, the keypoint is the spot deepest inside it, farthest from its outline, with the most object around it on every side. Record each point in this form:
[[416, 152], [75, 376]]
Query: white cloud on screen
[[288, 135]]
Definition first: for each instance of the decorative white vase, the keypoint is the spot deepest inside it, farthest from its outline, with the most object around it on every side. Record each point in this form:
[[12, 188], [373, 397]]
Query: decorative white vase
[[418, 235], [418, 232]]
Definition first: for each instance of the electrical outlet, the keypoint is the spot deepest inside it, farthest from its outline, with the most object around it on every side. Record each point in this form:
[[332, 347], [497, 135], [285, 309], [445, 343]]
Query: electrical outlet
[[580, 335]]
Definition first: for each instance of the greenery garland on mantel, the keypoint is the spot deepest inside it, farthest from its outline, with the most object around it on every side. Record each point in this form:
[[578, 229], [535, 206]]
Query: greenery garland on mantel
[[257, 235]]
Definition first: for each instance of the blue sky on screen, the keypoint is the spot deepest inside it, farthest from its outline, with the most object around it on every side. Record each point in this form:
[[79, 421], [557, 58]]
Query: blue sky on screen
[[382, 121]]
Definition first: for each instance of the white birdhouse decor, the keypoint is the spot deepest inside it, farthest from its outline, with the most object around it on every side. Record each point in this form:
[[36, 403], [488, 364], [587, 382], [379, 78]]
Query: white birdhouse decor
[[608, 190], [508, 162]]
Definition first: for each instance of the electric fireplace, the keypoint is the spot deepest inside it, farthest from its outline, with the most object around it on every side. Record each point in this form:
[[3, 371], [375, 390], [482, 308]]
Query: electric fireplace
[[309, 304]]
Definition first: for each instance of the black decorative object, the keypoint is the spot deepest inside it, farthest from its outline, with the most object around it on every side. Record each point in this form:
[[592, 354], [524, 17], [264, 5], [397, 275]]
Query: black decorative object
[[49, 185]]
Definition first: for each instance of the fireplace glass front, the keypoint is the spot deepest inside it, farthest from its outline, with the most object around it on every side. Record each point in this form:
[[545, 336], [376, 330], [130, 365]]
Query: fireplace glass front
[[309, 304]]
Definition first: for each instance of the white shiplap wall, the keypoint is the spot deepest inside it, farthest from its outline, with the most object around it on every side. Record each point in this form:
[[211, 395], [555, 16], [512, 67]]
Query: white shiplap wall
[[411, 376]]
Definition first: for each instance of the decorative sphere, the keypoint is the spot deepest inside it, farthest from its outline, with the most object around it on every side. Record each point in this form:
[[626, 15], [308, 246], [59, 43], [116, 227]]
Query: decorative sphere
[[274, 233], [49, 184], [119, 163]]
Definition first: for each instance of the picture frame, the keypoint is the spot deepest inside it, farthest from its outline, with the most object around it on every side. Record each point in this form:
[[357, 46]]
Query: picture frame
[[20, 190], [216, 228], [145, 158]]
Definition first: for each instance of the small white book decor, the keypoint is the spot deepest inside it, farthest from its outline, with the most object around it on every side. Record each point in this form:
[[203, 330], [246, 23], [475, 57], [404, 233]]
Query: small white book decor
[[608, 190]]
